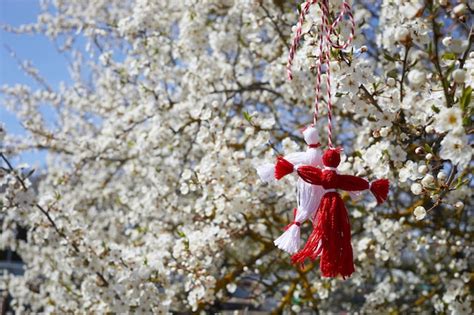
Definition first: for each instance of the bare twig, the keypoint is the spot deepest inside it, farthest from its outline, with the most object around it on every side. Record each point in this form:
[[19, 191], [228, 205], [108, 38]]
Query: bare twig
[[404, 70]]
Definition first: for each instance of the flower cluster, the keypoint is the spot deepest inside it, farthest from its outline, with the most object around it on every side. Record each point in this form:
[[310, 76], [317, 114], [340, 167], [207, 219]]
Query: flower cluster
[[149, 201]]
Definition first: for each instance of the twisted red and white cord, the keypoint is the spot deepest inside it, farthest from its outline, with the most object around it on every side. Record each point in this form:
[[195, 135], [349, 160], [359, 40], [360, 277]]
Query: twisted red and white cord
[[325, 45], [346, 9], [298, 35]]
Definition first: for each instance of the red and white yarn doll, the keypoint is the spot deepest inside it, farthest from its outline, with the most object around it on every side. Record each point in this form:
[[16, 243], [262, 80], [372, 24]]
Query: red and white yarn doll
[[331, 236], [308, 196]]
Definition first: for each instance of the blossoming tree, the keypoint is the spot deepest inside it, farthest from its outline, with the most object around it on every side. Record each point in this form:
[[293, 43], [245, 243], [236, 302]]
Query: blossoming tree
[[150, 202]]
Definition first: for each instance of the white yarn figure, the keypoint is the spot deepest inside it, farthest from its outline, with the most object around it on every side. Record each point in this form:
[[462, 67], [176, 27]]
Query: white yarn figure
[[308, 196]]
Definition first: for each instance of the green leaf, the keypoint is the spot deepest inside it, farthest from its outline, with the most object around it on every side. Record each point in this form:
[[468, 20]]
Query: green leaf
[[142, 229], [460, 183], [181, 234], [392, 74], [388, 57], [450, 69], [427, 148], [435, 109], [448, 56], [466, 121], [248, 117], [57, 195], [295, 300], [430, 48], [465, 98]]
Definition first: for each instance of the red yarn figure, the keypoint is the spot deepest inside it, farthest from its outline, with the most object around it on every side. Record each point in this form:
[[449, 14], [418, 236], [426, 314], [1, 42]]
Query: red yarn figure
[[331, 235]]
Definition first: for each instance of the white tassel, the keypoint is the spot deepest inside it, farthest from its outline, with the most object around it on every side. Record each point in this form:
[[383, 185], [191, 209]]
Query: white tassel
[[308, 198], [266, 172], [290, 240]]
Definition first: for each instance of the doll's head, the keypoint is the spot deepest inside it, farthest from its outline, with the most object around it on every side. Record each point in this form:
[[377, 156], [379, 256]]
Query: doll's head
[[310, 135], [332, 157]]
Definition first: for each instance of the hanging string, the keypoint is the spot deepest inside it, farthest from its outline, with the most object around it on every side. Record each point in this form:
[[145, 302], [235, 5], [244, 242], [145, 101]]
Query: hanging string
[[345, 10], [318, 75], [325, 45], [327, 38], [297, 38]]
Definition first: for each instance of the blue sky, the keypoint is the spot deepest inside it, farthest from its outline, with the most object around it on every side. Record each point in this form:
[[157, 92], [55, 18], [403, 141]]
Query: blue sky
[[36, 48]]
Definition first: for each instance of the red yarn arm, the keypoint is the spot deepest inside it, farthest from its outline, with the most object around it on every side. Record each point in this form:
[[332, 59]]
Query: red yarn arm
[[283, 167], [310, 174], [351, 183]]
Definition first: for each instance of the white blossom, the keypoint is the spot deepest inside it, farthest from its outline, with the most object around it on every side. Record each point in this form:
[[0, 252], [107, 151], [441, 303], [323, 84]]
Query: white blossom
[[148, 201], [459, 76], [448, 119], [420, 213], [416, 78], [427, 180], [416, 188], [456, 149]]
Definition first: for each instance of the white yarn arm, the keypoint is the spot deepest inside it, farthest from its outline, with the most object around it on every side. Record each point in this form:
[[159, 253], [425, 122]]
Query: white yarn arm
[[296, 158], [266, 172]]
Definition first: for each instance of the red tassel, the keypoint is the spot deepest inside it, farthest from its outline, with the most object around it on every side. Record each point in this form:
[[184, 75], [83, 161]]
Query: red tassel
[[282, 167], [330, 239], [379, 189]]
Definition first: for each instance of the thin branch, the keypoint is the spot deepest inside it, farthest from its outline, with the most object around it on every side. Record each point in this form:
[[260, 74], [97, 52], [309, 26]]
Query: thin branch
[[435, 58], [404, 70], [371, 98], [49, 218], [276, 26]]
